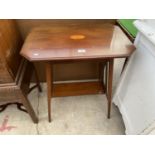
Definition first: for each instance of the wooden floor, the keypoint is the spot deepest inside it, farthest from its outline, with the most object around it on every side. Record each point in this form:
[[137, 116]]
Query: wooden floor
[[79, 88]]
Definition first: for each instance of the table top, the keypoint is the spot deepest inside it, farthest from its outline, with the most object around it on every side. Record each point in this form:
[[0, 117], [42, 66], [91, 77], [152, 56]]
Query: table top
[[76, 43]]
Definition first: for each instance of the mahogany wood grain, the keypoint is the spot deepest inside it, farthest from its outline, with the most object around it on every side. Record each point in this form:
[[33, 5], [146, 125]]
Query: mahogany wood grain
[[55, 44], [76, 71], [77, 43], [77, 88], [82, 70], [26, 25]]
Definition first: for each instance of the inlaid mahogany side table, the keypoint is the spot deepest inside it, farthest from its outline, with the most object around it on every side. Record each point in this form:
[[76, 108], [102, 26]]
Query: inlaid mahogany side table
[[77, 43]]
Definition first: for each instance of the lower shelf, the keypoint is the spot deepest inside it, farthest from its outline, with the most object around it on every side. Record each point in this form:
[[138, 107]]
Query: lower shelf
[[79, 88]]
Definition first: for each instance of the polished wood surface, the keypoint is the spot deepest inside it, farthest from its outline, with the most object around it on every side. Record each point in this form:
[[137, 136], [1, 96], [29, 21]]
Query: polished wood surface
[[26, 25], [55, 43], [64, 72]]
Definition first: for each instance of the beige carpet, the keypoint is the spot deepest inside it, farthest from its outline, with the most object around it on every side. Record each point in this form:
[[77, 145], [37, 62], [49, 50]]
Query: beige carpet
[[71, 115]]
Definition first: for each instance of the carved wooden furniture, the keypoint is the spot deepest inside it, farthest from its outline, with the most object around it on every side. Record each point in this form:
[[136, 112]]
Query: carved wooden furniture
[[77, 43], [15, 72]]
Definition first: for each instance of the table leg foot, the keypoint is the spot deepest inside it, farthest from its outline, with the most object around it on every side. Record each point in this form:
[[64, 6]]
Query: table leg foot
[[49, 111], [109, 111]]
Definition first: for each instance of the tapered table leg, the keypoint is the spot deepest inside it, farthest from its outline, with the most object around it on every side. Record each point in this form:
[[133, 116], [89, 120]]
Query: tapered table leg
[[29, 108], [106, 78], [49, 87], [110, 79], [102, 74], [125, 62]]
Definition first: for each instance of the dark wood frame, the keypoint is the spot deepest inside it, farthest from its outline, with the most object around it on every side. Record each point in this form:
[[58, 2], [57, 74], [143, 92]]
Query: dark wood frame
[[16, 93], [105, 77]]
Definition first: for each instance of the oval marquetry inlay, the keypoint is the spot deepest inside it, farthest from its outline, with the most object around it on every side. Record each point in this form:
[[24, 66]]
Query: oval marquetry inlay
[[77, 37]]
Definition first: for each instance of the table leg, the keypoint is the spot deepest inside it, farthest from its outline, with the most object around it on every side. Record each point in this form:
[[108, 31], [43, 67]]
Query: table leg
[[110, 79], [125, 62], [106, 78], [28, 107], [49, 87], [102, 75]]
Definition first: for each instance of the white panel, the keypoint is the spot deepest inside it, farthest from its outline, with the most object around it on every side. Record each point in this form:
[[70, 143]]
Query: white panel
[[135, 95]]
